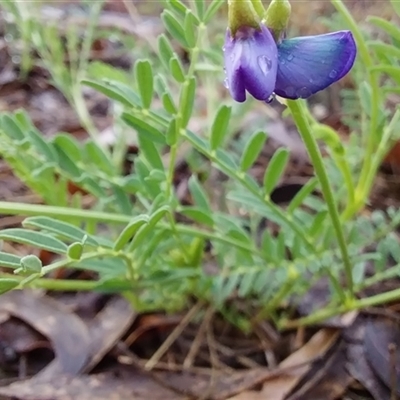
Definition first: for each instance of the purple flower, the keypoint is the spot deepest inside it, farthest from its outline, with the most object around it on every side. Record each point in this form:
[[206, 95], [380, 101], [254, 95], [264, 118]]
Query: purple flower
[[293, 68]]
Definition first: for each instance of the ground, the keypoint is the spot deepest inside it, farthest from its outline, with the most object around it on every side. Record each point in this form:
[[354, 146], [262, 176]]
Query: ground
[[91, 346]]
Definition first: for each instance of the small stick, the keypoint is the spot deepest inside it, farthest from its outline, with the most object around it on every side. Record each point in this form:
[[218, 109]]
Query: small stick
[[194, 348], [172, 337], [393, 376]]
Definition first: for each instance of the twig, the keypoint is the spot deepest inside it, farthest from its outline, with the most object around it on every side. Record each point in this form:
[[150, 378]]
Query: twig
[[194, 348], [393, 375], [173, 336], [129, 359], [241, 359], [133, 359]]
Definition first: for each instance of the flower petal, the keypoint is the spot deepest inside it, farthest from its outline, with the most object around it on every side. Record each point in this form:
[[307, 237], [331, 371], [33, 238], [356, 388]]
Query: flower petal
[[251, 63], [234, 80], [309, 64]]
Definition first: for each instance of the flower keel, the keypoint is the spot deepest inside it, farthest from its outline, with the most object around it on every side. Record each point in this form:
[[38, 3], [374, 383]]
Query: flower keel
[[251, 63]]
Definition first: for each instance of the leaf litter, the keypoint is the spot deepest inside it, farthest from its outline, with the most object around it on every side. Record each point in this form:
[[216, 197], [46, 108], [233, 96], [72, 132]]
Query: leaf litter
[[104, 352]]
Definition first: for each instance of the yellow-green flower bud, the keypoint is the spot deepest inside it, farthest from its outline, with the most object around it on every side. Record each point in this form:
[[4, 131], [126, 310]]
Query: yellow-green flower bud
[[259, 8], [241, 13], [277, 17]]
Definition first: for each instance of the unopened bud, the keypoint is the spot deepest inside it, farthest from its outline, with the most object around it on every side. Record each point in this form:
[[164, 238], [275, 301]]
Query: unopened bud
[[277, 17], [241, 13]]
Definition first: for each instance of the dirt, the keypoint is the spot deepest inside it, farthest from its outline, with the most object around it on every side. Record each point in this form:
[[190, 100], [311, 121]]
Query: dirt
[[91, 346]]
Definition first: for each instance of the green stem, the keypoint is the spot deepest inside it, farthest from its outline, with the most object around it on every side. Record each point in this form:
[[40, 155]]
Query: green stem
[[66, 213], [277, 300], [363, 187], [181, 108], [80, 107], [89, 34], [57, 284], [328, 312], [344, 168], [73, 285], [23, 23], [76, 92], [192, 231], [338, 152], [66, 262], [381, 151], [179, 128], [78, 72], [389, 273], [317, 161], [374, 163], [239, 177]]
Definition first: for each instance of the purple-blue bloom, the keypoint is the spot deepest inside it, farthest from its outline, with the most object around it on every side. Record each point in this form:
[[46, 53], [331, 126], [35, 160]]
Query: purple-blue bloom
[[293, 68]]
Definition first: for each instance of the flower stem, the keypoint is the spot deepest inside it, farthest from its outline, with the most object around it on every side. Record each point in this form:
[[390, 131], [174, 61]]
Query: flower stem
[[316, 158]]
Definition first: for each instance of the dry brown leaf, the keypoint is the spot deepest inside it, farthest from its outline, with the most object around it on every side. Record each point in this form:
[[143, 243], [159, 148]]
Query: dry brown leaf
[[328, 379], [381, 349], [108, 327], [359, 368], [67, 332], [357, 364], [296, 366], [120, 384]]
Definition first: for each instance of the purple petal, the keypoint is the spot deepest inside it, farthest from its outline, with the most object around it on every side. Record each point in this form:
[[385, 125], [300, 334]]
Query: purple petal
[[250, 63], [309, 64]]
